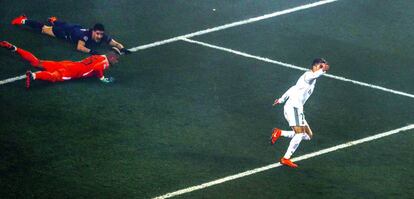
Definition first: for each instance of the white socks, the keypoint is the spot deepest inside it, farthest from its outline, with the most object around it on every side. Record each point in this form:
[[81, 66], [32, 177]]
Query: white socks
[[288, 134], [305, 136], [294, 143]]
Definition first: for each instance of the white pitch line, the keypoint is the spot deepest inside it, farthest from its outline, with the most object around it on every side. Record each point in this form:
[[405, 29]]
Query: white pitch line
[[230, 25], [297, 67], [218, 28], [297, 159], [12, 79]]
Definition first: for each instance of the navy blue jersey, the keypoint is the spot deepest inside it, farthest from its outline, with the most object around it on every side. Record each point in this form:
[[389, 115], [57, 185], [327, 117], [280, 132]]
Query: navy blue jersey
[[75, 32], [86, 36]]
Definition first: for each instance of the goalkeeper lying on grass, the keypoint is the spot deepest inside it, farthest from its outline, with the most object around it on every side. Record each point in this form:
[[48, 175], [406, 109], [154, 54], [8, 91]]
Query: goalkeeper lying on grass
[[66, 70]]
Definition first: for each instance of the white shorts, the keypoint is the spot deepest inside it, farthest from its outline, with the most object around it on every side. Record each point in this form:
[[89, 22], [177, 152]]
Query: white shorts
[[295, 116]]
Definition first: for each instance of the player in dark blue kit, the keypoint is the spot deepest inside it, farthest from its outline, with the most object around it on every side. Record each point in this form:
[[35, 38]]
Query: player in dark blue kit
[[86, 40]]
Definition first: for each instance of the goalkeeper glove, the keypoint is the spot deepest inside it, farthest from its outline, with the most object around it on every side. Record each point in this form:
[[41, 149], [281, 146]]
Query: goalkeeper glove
[[107, 80]]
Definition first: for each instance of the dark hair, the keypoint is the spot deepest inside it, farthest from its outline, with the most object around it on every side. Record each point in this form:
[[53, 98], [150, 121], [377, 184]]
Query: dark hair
[[319, 61], [99, 27]]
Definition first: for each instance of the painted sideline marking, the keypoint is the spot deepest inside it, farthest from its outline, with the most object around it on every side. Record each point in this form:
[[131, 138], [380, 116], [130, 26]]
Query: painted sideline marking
[[297, 159], [218, 28], [298, 68], [230, 25], [13, 79]]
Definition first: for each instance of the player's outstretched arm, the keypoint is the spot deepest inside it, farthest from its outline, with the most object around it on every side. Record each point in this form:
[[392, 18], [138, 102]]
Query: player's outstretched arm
[[276, 102], [81, 47], [325, 67], [121, 47], [314, 75], [284, 97]]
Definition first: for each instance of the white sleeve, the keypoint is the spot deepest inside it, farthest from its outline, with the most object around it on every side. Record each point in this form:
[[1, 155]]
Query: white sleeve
[[313, 75], [287, 94]]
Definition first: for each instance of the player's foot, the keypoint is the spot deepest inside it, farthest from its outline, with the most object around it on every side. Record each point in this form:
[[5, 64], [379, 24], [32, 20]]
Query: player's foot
[[288, 163], [19, 20], [29, 78], [52, 20], [275, 135], [7, 45]]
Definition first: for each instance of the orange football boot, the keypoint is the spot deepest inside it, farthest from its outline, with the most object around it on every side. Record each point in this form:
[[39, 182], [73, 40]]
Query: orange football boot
[[7, 45], [275, 135], [288, 163], [19, 20], [52, 20]]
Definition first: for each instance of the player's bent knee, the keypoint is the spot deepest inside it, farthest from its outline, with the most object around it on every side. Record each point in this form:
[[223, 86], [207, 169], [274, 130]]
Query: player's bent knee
[[48, 30], [298, 129]]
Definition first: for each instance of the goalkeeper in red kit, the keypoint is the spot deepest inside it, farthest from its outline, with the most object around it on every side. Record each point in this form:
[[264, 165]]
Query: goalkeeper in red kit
[[53, 71]]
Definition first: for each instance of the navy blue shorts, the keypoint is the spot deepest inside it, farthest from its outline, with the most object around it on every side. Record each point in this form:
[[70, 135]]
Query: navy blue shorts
[[63, 30]]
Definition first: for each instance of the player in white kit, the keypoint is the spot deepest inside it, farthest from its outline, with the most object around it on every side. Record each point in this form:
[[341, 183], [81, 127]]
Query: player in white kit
[[294, 99]]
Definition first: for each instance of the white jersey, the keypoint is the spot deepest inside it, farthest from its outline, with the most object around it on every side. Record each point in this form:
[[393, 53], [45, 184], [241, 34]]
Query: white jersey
[[298, 94]]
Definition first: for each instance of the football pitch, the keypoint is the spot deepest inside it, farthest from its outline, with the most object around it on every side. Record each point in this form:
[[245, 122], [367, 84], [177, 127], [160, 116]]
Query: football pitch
[[190, 112]]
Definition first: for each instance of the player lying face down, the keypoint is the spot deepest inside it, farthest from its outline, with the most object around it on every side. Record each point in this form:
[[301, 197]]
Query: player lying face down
[[53, 71], [86, 40]]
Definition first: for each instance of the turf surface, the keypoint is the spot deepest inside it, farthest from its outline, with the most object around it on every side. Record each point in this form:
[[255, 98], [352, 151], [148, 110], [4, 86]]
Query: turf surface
[[181, 114]]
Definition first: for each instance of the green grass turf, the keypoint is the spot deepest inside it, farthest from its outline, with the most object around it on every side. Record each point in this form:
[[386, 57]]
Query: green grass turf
[[179, 115], [362, 43], [133, 23], [174, 125], [363, 171]]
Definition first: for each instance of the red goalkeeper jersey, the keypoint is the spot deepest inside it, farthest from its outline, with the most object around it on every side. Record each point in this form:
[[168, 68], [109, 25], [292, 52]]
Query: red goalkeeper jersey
[[91, 66]]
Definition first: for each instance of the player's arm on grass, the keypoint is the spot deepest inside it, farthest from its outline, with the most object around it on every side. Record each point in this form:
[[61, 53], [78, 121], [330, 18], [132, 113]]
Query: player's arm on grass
[[81, 46], [104, 79], [100, 74], [121, 47]]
